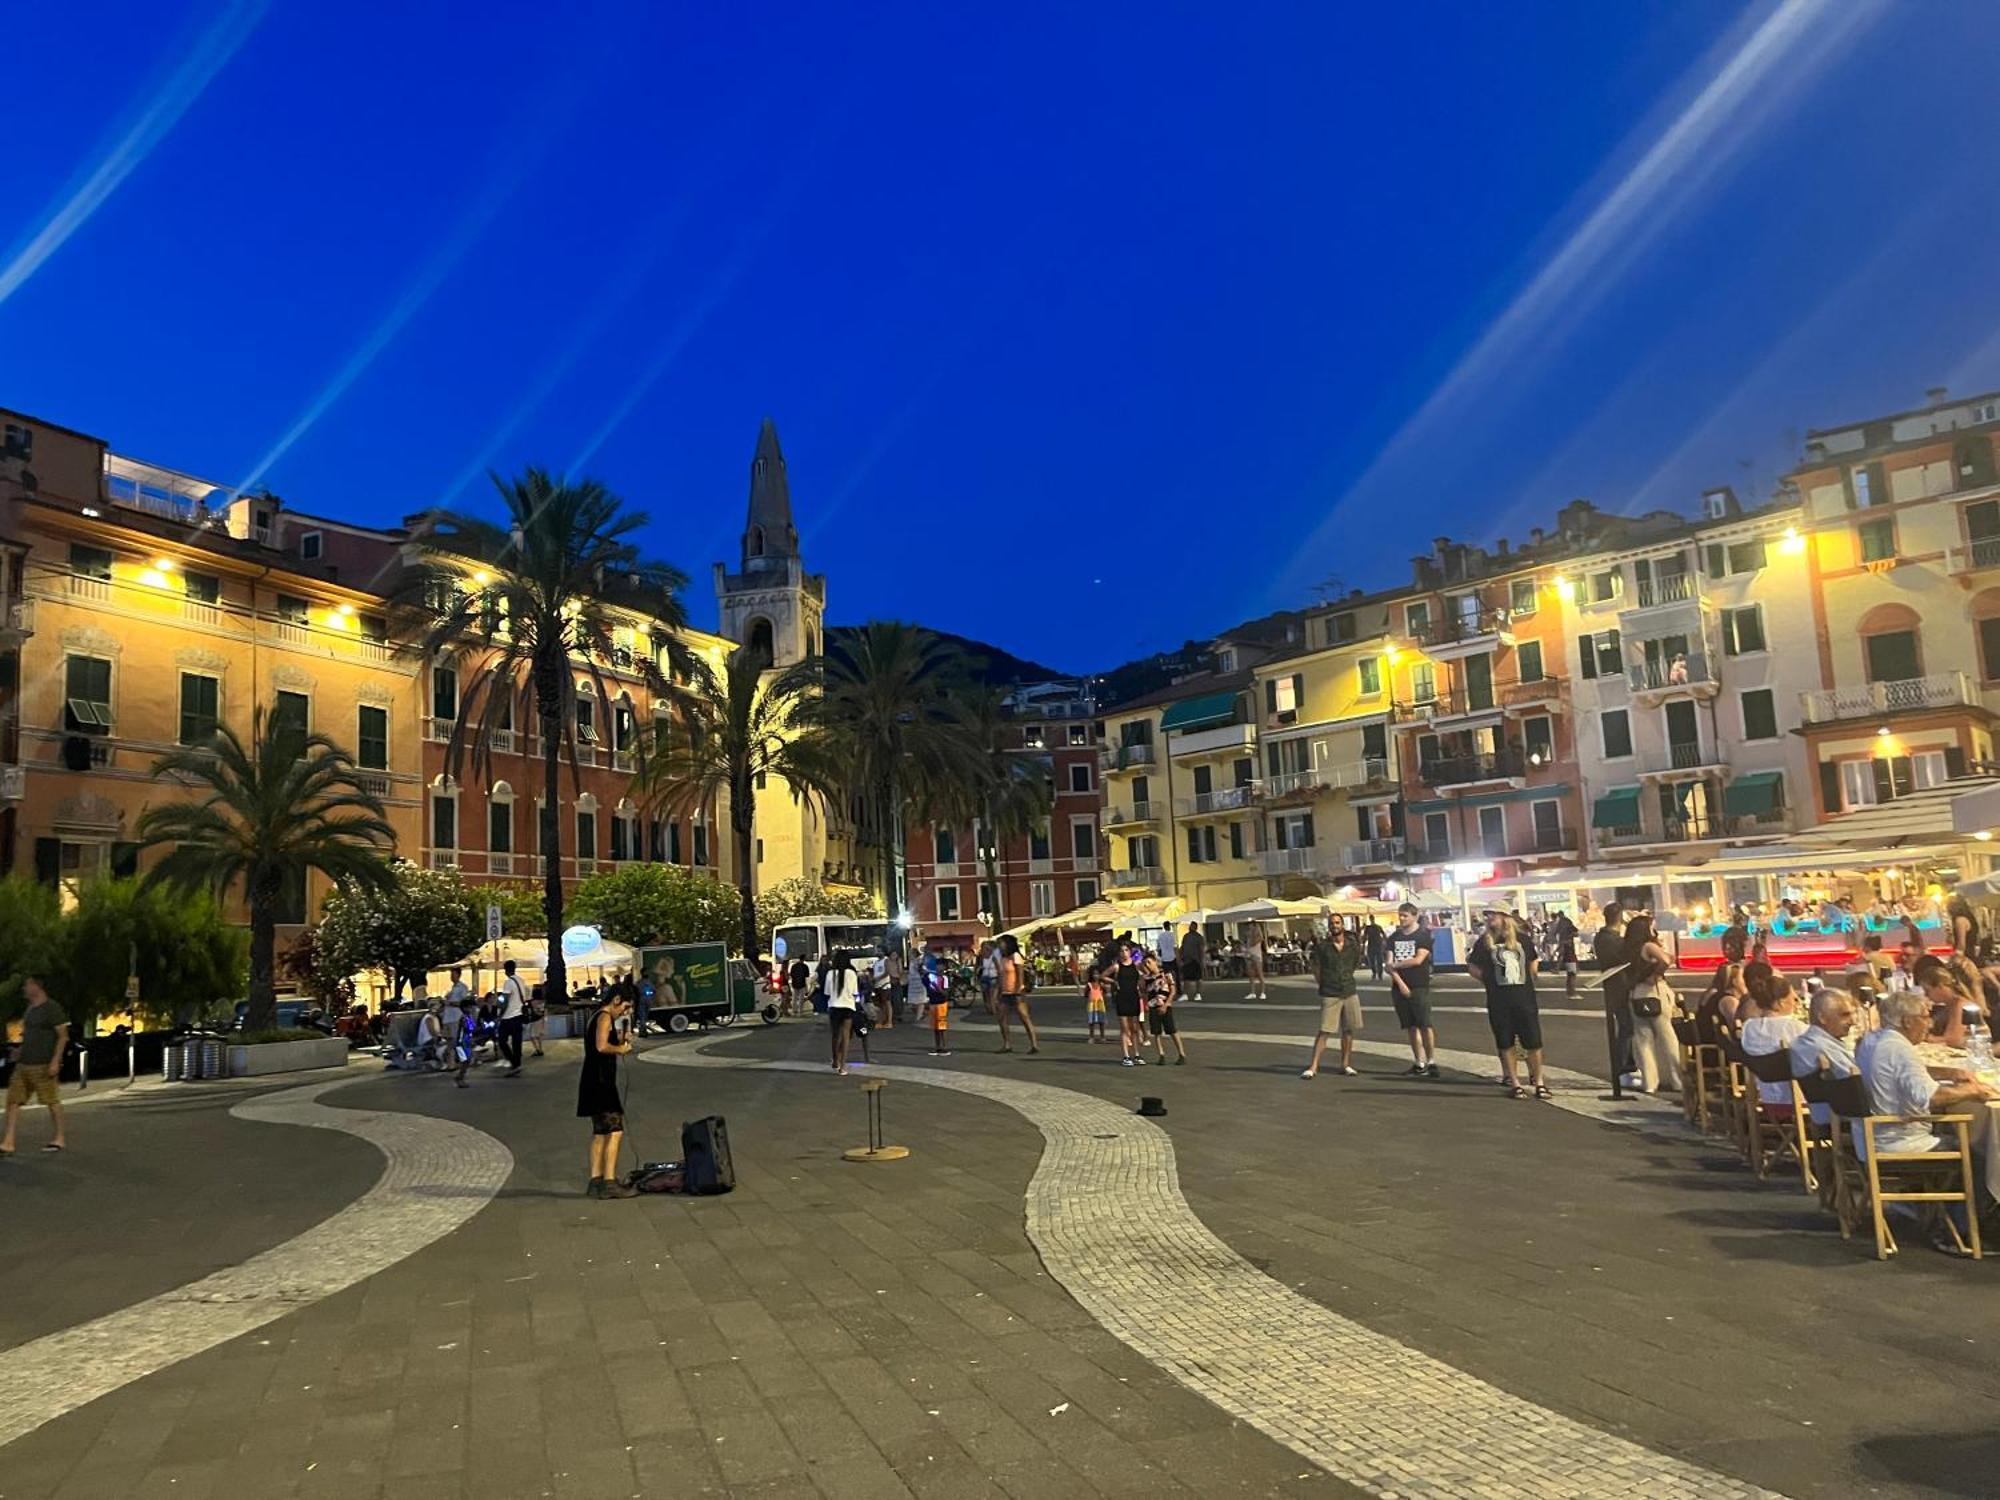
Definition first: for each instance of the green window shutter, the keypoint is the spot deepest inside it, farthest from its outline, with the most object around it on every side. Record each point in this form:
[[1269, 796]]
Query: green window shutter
[[1829, 787], [1885, 784], [48, 861]]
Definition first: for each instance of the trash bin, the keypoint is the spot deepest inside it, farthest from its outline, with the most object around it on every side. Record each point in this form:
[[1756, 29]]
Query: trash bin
[[173, 1061], [208, 1061]]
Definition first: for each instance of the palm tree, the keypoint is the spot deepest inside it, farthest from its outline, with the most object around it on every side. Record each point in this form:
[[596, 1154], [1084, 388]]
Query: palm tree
[[286, 803], [550, 589], [732, 732], [887, 713], [1014, 793]]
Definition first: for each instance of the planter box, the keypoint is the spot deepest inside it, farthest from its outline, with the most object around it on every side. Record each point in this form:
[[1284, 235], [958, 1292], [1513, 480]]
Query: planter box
[[558, 1024], [286, 1057]]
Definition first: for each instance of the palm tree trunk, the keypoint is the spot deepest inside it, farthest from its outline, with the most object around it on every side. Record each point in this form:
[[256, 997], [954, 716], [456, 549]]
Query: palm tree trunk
[[548, 708], [989, 855], [743, 823], [261, 1014]]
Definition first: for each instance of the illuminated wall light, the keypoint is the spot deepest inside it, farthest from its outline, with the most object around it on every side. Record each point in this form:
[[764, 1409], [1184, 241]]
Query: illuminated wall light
[[1984, 835], [164, 564], [1565, 586], [482, 578], [1791, 544], [153, 578], [92, 511]]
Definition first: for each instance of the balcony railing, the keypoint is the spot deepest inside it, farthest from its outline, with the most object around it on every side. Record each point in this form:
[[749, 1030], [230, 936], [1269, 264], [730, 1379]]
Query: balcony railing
[[1455, 627], [1289, 861], [439, 731], [1869, 700], [1227, 799], [1668, 588], [1981, 552], [1138, 812], [1427, 854], [1690, 669], [1285, 783], [1553, 840], [1685, 755], [375, 782], [1125, 757], [1375, 852], [1460, 770], [1526, 694], [1133, 876], [90, 589]]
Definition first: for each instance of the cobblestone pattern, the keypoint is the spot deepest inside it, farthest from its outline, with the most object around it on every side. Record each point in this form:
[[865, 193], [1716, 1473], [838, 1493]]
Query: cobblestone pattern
[[438, 1175], [1370, 1411]]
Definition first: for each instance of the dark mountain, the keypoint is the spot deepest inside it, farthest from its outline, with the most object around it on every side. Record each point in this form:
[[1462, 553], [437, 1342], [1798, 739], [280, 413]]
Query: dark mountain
[[1000, 667]]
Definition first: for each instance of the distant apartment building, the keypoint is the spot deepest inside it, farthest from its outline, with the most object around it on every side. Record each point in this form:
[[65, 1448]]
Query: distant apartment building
[[968, 882]]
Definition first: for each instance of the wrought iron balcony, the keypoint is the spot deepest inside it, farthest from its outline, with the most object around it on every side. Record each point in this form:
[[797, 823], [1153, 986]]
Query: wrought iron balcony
[[1873, 699], [1464, 770]]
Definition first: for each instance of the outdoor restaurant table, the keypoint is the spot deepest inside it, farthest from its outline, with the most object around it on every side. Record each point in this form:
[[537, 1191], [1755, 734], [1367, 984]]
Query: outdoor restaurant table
[[1949, 1062]]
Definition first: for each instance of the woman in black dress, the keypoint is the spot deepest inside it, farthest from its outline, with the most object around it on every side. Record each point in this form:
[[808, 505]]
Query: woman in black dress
[[597, 1095]]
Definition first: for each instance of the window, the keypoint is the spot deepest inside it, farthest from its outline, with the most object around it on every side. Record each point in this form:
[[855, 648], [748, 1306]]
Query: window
[[1437, 834], [20, 443], [1423, 682], [444, 693], [1600, 655], [1528, 660], [1989, 648], [1605, 586], [673, 843], [292, 712], [1283, 695], [444, 818], [89, 562], [586, 720], [1079, 776], [1857, 783], [87, 695], [1892, 656], [1086, 892], [946, 846], [1083, 840], [947, 903], [1079, 734], [1538, 739], [201, 588], [1617, 727], [1042, 898], [311, 544], [201, 707], [1548, 826], [1760, 714], [1201, 844], [1417, 618], [1225, 659], [586, 835], [500, 826], [1295, 830], [293, 610], [1038, 843], [1370, 670], [1031, 738], [1878, 540], [621, 849], [701, 844], [625, 728], [1864, 487], [1743, 630], [1340, 629], [1236, 841], [986, 903], [1521, 596], [1747, 557], [1492, 832]]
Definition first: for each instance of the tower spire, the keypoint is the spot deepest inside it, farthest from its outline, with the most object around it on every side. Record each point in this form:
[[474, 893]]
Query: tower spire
[[769, 537]]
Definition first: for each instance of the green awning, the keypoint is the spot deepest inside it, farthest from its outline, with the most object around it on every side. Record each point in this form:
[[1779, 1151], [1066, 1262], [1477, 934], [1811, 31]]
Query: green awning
[[1754, 794], [1200, 713], [1618, 809]]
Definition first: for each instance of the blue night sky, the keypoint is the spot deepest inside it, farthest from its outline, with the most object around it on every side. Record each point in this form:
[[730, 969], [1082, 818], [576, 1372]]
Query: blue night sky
[[1087, 329]]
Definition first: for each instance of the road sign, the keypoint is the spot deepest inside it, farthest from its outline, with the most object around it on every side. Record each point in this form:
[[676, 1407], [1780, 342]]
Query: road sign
[[493, 923], [132, 987]]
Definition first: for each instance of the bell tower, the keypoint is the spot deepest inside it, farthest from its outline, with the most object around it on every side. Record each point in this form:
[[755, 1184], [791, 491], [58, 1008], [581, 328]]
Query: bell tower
[[772, 602]]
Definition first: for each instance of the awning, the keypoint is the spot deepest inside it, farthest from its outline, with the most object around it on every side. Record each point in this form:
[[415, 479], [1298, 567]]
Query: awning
[[1616, 809], [1200, 713], [1753, 795]]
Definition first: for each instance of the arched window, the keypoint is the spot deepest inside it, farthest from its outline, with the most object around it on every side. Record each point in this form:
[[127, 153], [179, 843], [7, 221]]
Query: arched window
[[1892, 643], [624, 725], [444, 820], [500, 819], [756, 541], [586, 713], [759, 639], [586, 827], [625, 831]]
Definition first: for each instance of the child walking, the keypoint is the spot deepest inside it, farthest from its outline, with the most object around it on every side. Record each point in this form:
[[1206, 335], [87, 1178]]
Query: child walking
[[1160, 1012], [939, 998], [1093, 1003]]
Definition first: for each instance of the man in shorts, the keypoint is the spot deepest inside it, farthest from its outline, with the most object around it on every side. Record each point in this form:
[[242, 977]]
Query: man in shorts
[[44, 1039], [1194, 952], [1410, 988], [1160, 1023], [1334, 959]]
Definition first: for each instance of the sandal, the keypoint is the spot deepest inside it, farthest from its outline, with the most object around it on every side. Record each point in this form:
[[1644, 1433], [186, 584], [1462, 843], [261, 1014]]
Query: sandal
[[1542, 1091], [1515, 1091]]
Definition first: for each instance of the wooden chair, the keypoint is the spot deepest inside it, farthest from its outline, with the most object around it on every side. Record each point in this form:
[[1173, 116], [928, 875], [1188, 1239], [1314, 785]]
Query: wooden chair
[[1775, 1131], [1866, 1182], [1703, 1076], [1815, 1089], [1735, 1086]]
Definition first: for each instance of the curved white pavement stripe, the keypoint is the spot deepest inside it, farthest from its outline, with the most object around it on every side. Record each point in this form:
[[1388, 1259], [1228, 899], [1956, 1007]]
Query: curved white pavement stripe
[[439, 1174], [1370, 1411]]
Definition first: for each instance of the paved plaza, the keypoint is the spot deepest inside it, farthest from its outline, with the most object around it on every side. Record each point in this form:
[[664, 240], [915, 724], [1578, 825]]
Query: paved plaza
[[1378, 1286]]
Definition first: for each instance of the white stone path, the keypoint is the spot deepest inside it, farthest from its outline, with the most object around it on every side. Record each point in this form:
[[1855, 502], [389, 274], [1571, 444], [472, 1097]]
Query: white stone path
[[1370, 1411], [438, 1175]]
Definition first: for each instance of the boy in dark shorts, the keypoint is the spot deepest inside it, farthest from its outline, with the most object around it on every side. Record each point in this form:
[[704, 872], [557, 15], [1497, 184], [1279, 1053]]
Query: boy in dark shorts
[[1410, 989], [1159, 986]]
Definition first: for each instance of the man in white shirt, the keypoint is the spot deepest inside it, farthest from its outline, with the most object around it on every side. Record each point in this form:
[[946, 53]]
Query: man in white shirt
[[1164, 947], [513, 1017], [1826, 1040], [1899, 1084]]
